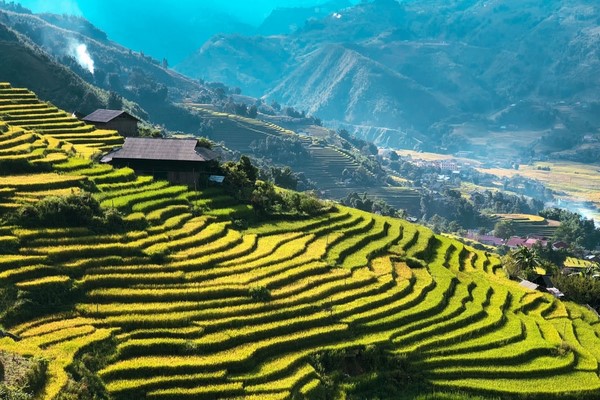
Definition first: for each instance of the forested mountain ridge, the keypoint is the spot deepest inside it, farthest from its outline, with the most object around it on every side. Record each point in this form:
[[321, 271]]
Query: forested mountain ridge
[[456, 62]]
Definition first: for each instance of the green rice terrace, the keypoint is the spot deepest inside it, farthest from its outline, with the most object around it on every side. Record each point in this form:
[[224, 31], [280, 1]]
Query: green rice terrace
[[577, 263], [346, 304]]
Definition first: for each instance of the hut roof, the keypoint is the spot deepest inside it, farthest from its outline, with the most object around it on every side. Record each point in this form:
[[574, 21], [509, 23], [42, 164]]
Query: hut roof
[[103, 115], [529, 285], [161, 149]]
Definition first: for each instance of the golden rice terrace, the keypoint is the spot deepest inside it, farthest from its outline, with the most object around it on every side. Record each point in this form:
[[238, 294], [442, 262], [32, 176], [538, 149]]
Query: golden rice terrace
[[200, 310]]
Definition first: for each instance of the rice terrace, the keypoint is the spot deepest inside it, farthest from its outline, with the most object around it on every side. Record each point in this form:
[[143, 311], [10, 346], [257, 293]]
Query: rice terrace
[[186, 304]]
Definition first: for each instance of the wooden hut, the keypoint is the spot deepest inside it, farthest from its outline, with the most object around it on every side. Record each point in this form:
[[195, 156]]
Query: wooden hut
[[180, 161], [117, 120]]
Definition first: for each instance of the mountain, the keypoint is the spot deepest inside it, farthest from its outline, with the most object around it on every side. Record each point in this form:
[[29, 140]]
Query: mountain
[[262, 65], [425, 67], [336, 72]]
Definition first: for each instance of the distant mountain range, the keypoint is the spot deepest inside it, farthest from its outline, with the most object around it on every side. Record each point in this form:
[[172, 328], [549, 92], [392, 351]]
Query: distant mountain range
[[423, 66]]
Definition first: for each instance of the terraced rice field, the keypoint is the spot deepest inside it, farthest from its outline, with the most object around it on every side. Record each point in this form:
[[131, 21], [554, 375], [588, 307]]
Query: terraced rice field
[[21, 108], [189, 325], [324, 166], [530, 225], [577, 263]]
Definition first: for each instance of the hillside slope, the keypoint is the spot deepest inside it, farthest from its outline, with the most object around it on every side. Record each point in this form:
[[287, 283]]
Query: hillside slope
[[25, 65], [191, 307], [328, 165], [336, 72]]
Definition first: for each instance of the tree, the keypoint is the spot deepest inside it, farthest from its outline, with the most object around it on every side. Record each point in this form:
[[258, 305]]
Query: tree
[[578, 288], [240, 178], [115, 102], [573, 228], [284, 177], [522, 262], [263, 197], [250, 170], [240, 109], [504, 229]]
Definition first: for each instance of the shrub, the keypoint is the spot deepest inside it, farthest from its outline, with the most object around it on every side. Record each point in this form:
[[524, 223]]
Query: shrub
[[581, 289], [74, 210], [28, 375], [240, 224], [21, 166], [8, 244], [36, 298], [69, 211], [260, 293]]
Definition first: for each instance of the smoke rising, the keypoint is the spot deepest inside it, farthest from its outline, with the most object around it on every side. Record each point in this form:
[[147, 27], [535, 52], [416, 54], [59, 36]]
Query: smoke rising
[[80, 52]]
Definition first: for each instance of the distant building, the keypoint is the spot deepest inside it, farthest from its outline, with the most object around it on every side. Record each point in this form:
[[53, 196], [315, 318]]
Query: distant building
[[532, 241], [542, 283], [180, 161], [545, 282], [118, 120], [515, 242], [560, 245], [490, 240], [592, 258]]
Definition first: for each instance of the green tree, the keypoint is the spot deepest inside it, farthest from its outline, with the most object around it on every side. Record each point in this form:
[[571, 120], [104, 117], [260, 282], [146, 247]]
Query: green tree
[[240, 178], [579, 288], [252, 111], [250, 170], [264, 197], [504, 229], [284, 177], [522, 262], [115, 101]]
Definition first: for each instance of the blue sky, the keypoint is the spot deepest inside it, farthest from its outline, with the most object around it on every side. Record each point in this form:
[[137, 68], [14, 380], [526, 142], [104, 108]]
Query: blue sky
[[170, 29]]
